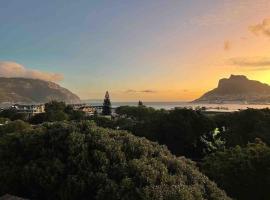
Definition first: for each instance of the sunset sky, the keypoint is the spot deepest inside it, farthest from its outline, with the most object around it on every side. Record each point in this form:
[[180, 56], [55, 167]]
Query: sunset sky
[[152, 50]]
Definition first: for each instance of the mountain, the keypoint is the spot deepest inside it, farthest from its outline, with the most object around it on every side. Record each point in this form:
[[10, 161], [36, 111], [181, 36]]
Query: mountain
[[237, 89], [24, 90]]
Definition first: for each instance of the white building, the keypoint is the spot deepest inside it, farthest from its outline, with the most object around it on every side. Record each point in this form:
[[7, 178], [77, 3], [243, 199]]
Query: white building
[[30, 110]]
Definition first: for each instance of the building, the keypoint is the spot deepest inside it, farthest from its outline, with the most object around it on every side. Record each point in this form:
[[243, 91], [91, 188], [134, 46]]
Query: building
[[88, 110], [30, 110]]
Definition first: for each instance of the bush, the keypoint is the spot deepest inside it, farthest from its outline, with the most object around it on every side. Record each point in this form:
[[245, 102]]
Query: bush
[[243, 172], [181, 130], [244, 126], [81, 161]]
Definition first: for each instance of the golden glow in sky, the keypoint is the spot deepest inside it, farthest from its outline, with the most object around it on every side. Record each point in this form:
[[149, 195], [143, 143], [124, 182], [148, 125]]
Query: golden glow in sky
[[152, 50]]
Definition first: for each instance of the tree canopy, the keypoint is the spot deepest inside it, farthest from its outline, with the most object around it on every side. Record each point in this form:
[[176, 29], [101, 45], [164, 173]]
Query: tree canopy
[[68, 160], [57, 111], [243, 172], [240, 128], [181, 130]]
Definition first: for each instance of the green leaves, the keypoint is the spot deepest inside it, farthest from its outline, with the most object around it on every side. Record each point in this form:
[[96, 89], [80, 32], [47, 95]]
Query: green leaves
[[242, 171], [81, 161]]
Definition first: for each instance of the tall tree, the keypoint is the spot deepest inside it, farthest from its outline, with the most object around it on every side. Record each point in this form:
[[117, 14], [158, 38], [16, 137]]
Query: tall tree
[[107, 107], [140, 103]]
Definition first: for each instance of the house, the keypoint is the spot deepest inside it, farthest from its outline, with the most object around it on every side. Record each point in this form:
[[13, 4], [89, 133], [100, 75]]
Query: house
[[30, 110], [88, 110]]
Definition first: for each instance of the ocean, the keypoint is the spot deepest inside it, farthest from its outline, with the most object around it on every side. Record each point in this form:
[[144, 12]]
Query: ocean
[[172, 105]]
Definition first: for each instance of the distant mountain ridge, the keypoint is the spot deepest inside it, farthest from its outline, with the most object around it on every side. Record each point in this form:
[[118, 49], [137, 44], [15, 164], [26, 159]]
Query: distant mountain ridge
[[25, 90], [237, 89]]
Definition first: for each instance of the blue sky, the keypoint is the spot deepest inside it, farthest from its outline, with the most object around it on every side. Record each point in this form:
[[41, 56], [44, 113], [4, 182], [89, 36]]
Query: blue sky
[[122, 45]]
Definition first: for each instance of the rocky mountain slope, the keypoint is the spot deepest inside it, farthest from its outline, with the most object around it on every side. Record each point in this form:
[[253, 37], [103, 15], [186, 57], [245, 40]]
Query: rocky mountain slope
[[237, 89], [23, 90]]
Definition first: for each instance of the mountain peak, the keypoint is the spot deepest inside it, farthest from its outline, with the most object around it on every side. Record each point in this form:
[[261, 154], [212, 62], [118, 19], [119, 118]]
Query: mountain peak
[[237, 88], [238, 77], [26, 90]]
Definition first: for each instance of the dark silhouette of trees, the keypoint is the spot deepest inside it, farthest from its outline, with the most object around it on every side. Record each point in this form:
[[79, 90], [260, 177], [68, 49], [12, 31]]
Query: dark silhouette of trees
[[57, 111], [183, 131], [140, 103], [12, 114], [240, 128], [243, 172], [107, 110]]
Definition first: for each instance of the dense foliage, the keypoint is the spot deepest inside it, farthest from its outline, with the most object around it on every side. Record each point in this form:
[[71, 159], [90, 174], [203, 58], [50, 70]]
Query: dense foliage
[[65, 160], [240, 128], [4, 120], [12, 114], [182, 130], [88, 158], [243, 172], [57, 111]]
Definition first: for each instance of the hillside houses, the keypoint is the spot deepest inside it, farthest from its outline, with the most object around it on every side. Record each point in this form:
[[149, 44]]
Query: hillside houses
[[29, 110]]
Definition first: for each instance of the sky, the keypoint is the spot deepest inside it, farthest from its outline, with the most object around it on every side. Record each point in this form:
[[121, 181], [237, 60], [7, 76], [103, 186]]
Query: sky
[[149, 50]]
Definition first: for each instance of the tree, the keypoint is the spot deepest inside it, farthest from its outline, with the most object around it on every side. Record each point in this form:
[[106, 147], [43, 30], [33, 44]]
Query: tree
[[184, 131], [243, 172], [107, 110], [68, 160], [57, 111], [12, 114], [4, 120], [241, 128], [17, 126], [55, 106], [140, 103]]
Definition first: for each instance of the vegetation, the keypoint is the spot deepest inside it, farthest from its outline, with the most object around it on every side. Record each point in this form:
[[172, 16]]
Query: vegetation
[[184, 131], [243, 172], [107, 110], [12, 114], [140, 103], [57, 111], [240, 128], [68, 160], [54, 111], [4, 120], [47, 160]]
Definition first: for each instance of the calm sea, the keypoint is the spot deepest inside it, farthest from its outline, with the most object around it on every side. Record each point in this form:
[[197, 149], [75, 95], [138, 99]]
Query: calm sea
[[171, 105]]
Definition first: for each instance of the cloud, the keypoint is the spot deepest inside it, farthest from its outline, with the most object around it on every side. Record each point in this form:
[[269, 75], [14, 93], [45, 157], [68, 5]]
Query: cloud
[[140, 91], [253, 63], [227, 45], [262, 28], [148, 91], [12, 69]]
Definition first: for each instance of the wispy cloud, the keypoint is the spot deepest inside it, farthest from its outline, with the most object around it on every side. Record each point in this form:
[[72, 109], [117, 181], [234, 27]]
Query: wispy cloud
[[140, 91], [12, 69], [262, 28], [148, 91], [252, 63]]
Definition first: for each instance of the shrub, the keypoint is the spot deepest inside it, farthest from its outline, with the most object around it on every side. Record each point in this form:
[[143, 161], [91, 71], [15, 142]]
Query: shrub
[[81, 161]]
